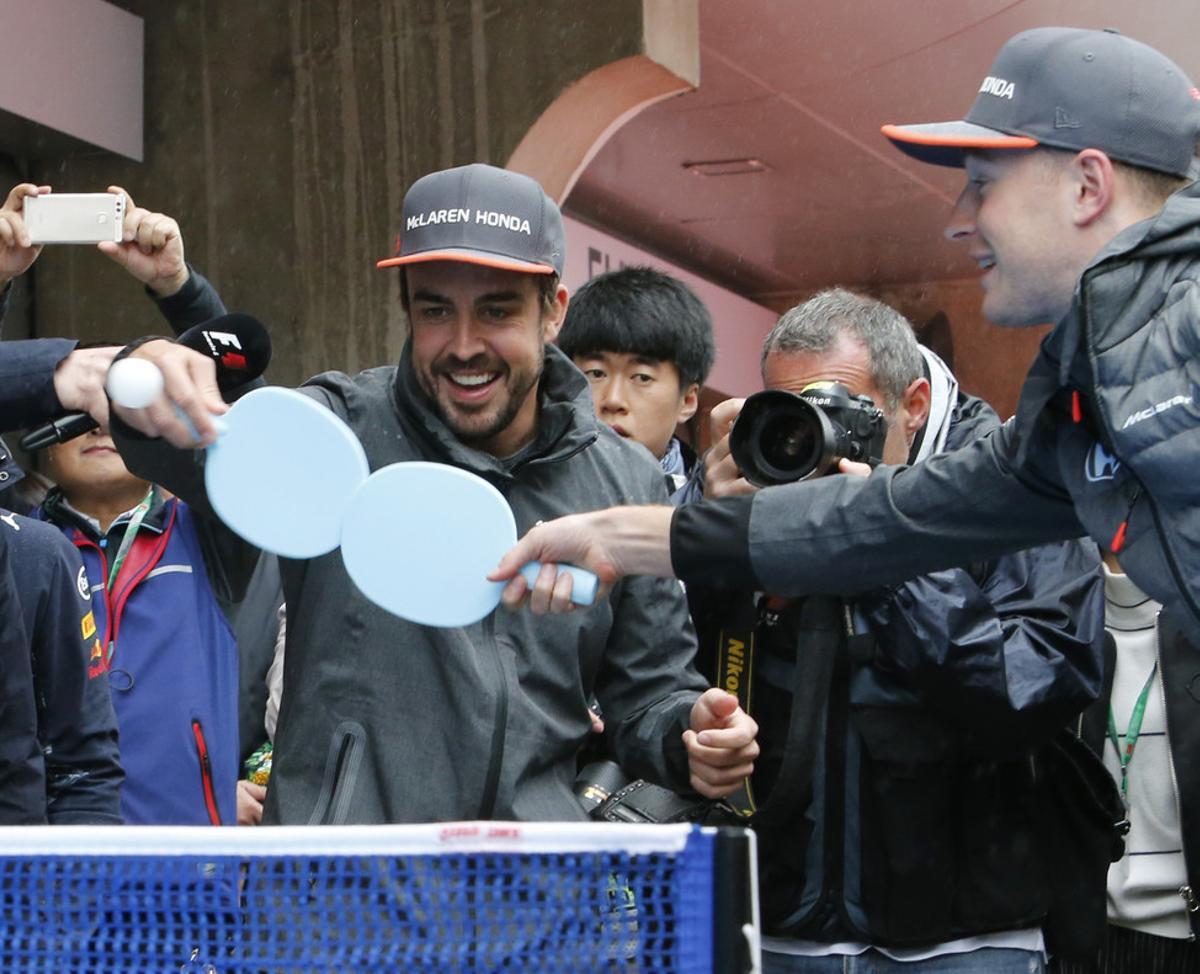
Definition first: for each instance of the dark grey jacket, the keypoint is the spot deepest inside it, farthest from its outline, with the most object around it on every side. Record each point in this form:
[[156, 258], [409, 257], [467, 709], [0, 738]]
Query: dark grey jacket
[[1130, 346], [386, 721]]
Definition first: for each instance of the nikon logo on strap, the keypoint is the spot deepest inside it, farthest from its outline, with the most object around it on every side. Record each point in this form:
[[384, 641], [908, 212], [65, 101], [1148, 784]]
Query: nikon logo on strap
[[735, 658]]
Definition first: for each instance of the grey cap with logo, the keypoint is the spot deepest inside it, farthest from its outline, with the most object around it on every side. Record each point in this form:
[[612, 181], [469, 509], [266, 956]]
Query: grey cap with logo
[[1075, 89], [482, 215]]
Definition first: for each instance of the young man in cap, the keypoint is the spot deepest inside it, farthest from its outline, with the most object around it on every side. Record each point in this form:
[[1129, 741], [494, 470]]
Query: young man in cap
[[388, 721]]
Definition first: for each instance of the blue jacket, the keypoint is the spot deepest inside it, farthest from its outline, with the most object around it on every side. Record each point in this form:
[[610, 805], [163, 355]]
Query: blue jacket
[[22, 769], [173, 667], [76, 726]]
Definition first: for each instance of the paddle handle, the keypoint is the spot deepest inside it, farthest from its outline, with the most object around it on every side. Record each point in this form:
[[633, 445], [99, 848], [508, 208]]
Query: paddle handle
[[583, 582]]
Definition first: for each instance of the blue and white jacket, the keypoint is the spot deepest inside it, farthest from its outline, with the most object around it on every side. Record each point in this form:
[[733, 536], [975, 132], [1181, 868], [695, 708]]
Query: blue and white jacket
[[172, 662]]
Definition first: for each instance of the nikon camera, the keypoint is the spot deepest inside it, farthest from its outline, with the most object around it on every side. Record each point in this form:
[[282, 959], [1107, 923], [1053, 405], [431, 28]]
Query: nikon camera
[[780, 437]]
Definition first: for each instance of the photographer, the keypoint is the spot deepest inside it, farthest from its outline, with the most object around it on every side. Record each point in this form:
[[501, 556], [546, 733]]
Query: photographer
[[898, 797]]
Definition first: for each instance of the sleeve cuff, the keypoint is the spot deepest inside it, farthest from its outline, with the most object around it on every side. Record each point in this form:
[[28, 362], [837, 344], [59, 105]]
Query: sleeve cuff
[[710, 543]]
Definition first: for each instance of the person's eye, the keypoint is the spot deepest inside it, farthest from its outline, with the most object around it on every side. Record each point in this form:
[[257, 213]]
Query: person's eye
[[594, 374], [495, 313], [643, 378], [433, 311]]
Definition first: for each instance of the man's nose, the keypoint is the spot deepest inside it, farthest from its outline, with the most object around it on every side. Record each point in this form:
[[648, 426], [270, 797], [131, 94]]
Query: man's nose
[[961, 224], [612, 396], [466, 341]]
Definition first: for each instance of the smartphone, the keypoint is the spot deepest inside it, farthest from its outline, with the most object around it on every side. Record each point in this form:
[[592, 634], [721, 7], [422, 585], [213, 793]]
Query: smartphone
[[74, 218]]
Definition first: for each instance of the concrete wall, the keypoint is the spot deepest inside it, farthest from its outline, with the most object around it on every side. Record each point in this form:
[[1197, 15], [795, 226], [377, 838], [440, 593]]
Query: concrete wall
[[283, 133]]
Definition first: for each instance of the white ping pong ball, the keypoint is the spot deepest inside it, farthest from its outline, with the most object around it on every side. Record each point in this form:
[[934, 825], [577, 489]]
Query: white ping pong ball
[[133, 383]]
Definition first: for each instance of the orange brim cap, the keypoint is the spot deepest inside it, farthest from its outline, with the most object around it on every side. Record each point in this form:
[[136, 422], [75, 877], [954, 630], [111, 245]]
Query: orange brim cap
[[943, 143], [462, 256]]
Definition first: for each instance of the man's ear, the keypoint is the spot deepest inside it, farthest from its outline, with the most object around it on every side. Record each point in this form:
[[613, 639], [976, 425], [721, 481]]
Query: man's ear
[[1093, 182], [689, 402], [915, 407], [553, 320]]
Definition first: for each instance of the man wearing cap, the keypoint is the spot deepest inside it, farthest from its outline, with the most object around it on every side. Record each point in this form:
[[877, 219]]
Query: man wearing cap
[[383, 720]]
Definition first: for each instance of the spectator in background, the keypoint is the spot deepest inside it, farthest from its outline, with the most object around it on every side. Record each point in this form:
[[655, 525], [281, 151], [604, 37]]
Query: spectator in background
[[171, 656], [645, 342]]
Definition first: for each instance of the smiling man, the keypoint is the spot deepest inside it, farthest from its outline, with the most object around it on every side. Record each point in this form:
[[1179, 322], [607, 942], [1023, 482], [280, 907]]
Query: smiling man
[[384, 720]]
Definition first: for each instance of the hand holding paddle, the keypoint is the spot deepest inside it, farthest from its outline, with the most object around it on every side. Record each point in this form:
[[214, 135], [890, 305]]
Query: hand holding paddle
[[282, 470], [420, 538]]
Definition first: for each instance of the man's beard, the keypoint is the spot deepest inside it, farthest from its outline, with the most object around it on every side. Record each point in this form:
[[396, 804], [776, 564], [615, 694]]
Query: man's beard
[[517, 385]]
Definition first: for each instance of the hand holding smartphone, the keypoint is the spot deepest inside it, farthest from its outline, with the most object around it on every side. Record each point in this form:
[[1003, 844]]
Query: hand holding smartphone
[[74, 218]]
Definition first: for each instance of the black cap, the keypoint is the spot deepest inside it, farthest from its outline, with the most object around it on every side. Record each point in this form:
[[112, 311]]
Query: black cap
[[479, 214], [1072, 89]]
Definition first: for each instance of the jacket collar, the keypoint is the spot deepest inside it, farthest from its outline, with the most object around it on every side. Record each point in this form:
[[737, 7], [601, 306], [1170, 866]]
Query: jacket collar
[[56, 509], [566, 420], [1172, 232]]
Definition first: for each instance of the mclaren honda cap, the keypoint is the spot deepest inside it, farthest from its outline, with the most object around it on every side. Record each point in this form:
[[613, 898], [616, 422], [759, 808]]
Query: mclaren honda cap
[[1072, 89], [480, 215]]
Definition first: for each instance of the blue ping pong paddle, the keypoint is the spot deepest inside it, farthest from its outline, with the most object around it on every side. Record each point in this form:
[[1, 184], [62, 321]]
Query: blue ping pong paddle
[[419, 540], [282, 469], [283, 472]]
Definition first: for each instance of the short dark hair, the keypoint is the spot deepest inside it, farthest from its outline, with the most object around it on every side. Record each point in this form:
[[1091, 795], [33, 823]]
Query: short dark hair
[[547, 291], [815, 326], [1151, 187], [641, 311]]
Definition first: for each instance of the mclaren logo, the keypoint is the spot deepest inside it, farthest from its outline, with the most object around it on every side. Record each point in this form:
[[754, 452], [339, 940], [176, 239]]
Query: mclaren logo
[[1101, 465], [1158, 407]]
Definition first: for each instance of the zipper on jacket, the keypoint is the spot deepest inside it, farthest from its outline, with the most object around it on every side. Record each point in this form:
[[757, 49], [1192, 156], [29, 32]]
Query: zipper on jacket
[[206, 776], [491, 784], [1085, 320], [1186, 892], [340, 769]]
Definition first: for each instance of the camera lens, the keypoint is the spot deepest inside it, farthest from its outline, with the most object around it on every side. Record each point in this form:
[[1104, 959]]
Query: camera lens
[[787, 443]]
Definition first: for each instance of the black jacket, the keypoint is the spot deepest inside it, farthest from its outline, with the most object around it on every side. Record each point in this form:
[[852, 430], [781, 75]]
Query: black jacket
[[76, 724], [925, 821], [22, 768]]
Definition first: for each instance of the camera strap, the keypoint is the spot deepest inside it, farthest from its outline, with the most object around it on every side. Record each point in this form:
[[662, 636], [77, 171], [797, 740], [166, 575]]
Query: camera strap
[[735, 674]]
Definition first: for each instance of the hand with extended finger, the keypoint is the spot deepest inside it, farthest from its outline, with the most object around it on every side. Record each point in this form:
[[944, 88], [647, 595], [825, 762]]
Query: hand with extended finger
[[720, 744], [17, 253], [151, 248]]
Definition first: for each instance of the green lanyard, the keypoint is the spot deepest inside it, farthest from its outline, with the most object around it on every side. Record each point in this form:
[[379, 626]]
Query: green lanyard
[[131, 530], [1132, 733]]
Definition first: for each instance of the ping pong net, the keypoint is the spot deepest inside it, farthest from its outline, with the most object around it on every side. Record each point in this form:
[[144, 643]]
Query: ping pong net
[[446, 897]]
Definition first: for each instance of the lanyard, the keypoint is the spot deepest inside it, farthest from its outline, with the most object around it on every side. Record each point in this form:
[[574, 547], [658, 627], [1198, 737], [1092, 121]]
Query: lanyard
[[1132, 733], [131, 530]]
